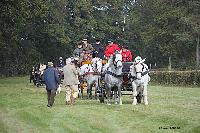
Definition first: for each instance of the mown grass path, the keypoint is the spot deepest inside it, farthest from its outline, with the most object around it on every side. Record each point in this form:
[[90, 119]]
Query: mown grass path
[[23, 110]]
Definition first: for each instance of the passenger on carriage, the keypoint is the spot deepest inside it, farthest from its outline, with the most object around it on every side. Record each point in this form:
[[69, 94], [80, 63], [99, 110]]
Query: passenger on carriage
[[78, 51], [126, 54], [98, 49], [87, 46], [87, 50], [61, 63], [110, 49]]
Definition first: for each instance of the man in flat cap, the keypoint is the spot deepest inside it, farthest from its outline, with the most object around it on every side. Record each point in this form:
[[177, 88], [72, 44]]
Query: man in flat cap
[[87, 49], [87, 46], [52, 81]]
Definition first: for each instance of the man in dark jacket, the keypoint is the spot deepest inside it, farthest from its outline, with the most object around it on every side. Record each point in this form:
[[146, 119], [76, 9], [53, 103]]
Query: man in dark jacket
[[52, 81], [98, 49]]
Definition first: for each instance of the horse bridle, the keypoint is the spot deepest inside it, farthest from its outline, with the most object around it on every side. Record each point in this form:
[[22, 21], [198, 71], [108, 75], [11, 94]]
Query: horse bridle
[[115, 62], [142, 73]]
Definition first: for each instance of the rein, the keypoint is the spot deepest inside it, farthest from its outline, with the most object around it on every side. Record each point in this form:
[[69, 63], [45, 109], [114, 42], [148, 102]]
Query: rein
[[93, 73], [113, 74]]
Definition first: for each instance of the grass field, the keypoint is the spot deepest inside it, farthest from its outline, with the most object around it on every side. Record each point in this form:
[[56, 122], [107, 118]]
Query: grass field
[[23, 110]]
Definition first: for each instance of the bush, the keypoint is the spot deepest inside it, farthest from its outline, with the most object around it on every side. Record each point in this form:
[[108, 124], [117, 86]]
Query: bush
[[176, 77]]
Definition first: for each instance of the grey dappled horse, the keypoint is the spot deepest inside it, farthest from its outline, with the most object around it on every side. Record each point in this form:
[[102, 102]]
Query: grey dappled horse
[[140, 79], [113, 78], [92, 74]]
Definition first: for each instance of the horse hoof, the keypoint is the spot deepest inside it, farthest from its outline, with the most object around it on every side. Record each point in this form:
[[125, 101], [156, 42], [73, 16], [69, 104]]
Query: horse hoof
[[108, 103], [146, 103], [116, 103], [134, 103]]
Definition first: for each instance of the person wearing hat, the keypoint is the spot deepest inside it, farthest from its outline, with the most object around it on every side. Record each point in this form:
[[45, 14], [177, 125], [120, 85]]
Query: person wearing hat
[[126, 54], [87, 50], [87, 47], [110, 49], [52, 81], [78, 51], [70, 82], [98, 49]]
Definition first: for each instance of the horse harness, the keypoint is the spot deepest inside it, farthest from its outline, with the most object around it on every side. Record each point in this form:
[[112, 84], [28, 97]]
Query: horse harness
[[94, 72], [142, 73], [113, 74]]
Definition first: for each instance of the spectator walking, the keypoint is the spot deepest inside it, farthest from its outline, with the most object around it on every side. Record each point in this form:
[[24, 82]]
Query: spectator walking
[[70, 81], [52, 81]]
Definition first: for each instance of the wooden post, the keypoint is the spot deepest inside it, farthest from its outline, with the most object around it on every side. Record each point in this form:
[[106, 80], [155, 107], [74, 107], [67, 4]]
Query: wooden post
[[197, 52]]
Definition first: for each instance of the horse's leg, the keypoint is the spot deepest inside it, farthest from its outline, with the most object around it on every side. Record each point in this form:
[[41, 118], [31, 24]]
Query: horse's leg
[[96, 87], [134, 86], [145, 95], [119, 95], [88, 90], [115, 95], [108, 88], [139, 93]]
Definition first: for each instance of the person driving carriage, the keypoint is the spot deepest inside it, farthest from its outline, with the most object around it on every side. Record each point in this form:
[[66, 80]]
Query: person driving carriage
[[110, 48], [126, 54], [87, 50], [87, 46], [98, 49]]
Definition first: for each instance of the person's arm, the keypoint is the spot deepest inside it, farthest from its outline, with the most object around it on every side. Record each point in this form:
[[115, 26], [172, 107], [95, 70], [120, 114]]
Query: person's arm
[[91, 48], [75, 71], [74, 53], [130, 56], [117, 48], [56, 76]]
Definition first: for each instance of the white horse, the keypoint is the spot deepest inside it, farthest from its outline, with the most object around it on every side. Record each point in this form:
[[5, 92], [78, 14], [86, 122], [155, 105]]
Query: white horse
[[92, 74], [113, 78], [140, 79]]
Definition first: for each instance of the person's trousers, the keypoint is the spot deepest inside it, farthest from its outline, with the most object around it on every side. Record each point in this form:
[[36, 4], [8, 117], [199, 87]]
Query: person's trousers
[[71, 92], [50, 96]]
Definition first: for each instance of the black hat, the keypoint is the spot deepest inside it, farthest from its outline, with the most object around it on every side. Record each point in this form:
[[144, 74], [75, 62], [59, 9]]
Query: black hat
[[97, 40], [79, 43]]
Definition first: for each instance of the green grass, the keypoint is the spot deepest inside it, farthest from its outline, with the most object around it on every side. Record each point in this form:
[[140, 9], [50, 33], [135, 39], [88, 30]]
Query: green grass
[[23, 110]]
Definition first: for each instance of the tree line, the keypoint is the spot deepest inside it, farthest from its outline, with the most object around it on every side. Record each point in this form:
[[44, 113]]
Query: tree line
[[166, 32]]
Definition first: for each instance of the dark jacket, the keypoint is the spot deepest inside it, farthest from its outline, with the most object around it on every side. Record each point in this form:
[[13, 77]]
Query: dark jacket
[[51, 78], [99, 50]]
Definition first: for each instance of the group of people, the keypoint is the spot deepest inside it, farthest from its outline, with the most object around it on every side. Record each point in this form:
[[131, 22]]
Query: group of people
[[70, 82], [86, 51]]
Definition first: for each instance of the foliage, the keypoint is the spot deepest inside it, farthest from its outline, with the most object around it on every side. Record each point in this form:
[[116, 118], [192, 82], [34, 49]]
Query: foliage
[[34, 31], [186, 78]]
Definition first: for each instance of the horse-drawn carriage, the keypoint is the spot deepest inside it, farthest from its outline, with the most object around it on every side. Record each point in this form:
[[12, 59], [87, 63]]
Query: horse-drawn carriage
[[116, 77]]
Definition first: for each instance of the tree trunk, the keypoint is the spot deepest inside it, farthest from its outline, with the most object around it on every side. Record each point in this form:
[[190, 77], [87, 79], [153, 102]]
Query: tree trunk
[[197, 51], [170, 64]]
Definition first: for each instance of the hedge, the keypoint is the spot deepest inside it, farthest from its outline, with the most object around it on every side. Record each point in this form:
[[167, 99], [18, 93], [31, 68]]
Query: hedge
[[176, 77]]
